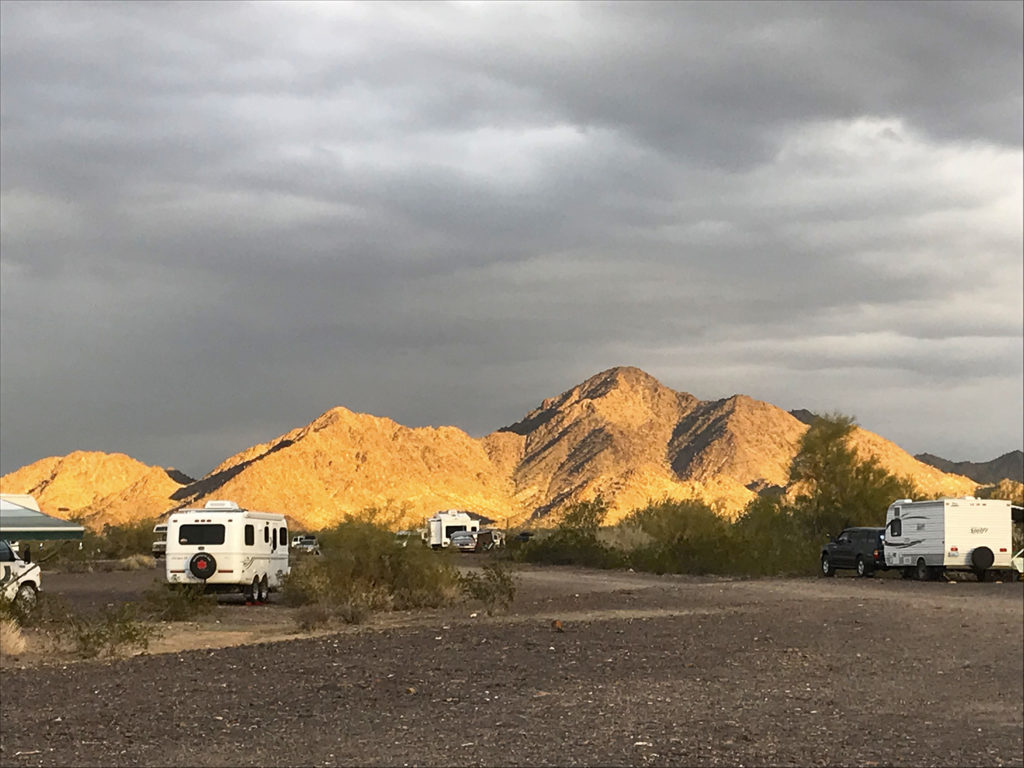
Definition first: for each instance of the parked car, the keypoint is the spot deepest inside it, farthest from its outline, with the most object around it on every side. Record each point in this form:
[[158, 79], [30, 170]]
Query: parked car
[[20, 579], [159, 540], [859, 548], [306, 543], [464, 541]]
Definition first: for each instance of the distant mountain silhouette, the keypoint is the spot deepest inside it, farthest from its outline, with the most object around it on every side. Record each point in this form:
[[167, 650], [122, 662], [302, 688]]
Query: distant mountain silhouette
[[1009, 466], [620, 434]]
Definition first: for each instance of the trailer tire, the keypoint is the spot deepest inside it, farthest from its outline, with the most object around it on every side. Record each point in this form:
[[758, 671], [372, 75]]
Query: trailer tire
[[26, 599], [922, 572], [252, 594], [264, 589], [202, 565], [982, 558], [826, 566], [863, 569]]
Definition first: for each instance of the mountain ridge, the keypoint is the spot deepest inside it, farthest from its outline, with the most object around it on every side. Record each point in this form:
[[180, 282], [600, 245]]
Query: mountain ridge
[[620, 434]]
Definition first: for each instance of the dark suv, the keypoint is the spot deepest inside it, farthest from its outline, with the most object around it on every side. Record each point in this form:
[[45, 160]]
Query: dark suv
[[859, 548]]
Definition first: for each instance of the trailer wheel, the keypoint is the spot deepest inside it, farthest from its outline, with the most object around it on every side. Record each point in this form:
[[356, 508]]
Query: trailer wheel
[[922, 572], [26, 599], [264, 589], [253, 593], [826, 566], [863, 569]]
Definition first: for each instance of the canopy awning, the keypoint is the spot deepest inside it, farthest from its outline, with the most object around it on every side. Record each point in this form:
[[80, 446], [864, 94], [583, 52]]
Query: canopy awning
[[21, 523]]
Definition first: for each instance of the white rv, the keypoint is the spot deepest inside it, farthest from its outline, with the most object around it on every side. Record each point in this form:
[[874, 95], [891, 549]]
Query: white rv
[[227, 548], [924, 538], [441, 526]]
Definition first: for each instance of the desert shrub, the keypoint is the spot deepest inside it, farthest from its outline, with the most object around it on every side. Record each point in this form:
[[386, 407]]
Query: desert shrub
[[177, 602], [312, 616], [12, 640], [495, 587], [136, 562], [684, 537], [575, 541], [769, 539], [361, 570], [110, 632]]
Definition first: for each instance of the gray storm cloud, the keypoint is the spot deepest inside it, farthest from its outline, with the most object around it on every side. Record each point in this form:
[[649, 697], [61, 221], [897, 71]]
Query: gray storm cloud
[[219, 220]]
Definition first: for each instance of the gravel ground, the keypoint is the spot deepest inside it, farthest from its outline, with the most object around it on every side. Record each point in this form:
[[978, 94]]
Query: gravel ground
[[647, 671]]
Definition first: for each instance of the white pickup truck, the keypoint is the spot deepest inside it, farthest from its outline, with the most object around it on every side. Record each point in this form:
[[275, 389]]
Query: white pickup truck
[[19, 580]]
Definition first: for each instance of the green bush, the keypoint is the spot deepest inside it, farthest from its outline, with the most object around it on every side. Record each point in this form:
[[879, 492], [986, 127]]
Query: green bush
[[685, 537], [111, 631], [576, 540], [177, 602], [495, 587], [361, 569]]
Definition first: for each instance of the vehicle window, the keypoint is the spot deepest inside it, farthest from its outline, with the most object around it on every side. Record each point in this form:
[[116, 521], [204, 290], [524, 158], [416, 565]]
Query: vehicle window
[[844, 538], [266, 534], [6, 553], [897, 526], [250, 535], [453, 529], [283, 537], [206, 533], [273, 543]]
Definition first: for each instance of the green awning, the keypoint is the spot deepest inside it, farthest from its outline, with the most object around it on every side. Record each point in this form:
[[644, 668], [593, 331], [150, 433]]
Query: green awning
[[20, 523]]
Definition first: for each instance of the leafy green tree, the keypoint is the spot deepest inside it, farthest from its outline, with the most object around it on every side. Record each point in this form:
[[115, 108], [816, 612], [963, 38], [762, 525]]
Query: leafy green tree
[[839, 488]]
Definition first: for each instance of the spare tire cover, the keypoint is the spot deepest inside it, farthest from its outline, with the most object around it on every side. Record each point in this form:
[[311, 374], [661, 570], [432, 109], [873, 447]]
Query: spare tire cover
[[982, 558], [202, 565]]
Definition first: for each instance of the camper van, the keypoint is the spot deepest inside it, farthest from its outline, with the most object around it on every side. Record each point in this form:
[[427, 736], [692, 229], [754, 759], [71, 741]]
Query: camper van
[[441, 526], [159, 540], [227, 548], [925, 538]]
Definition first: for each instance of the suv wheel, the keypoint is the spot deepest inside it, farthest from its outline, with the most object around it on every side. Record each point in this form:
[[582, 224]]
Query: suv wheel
[[863, 569], [826, 566]]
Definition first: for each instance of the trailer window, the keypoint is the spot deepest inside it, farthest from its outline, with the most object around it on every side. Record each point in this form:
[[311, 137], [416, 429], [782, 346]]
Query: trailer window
[[897, 526], [450, 529], [201, 534], [266, 534], [250, 535], [274, 542], [283, 537]]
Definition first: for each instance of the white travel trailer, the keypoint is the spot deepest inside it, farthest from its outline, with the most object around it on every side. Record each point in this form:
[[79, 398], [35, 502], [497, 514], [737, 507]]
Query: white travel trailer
[[441, 526], [227, 548], [924, 538]]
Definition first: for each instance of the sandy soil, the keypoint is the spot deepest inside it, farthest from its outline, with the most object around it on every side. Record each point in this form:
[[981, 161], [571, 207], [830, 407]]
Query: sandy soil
[[648, 671]]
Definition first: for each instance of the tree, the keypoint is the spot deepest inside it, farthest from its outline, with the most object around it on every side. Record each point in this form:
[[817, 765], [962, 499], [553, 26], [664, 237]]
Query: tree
[[838, 487]]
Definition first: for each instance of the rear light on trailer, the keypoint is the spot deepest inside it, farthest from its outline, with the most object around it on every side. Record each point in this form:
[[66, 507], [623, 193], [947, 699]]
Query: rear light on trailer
[[953, 549], [177, 571], [225, 570], [1002, 549]]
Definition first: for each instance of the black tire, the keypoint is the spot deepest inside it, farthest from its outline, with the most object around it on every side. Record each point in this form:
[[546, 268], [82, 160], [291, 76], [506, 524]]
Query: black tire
[[26, 599], [202, 565], [264, 589], [983, 575], [921, 571], [826, 566], [252, 594], [863, 569], [982, 558]]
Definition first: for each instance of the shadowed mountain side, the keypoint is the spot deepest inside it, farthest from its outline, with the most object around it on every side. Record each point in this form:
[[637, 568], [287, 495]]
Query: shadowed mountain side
[[1009, 466]]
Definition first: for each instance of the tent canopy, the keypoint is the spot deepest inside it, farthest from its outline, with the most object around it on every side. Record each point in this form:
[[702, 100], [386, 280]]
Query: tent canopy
[[19, 522]]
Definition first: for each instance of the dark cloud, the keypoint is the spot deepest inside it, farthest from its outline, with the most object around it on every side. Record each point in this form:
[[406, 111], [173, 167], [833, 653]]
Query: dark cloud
[[220, 220]]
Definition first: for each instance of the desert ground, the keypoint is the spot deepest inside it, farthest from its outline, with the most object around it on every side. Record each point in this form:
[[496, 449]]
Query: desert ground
[[647, 670]]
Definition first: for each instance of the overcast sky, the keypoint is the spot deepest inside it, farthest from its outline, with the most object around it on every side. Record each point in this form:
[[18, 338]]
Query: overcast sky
[[220, 220]]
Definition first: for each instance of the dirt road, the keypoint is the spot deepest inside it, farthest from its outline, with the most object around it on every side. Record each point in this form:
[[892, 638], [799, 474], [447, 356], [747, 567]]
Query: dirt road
[[648, 671]]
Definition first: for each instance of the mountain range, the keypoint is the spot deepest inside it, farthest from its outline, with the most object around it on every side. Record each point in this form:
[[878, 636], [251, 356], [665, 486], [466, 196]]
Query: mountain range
[[620, 434]]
